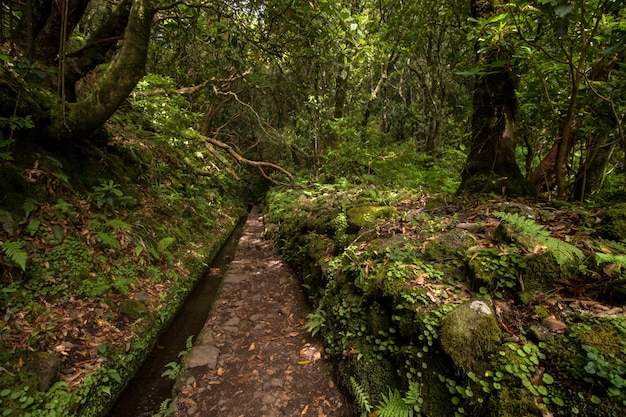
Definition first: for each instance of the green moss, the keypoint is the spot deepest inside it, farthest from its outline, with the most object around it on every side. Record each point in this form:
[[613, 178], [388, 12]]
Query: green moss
[[614, 222], [603, 336], [514, 402], [133, 309], [448, 245], [367, 216], [469, 333], [542, 271]]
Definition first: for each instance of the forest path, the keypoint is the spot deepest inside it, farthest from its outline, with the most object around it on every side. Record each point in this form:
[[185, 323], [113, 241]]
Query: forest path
[[254, 356]]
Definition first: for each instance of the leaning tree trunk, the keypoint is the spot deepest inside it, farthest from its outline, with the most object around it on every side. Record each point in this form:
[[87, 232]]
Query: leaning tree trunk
[[491, 165], [77, 120]]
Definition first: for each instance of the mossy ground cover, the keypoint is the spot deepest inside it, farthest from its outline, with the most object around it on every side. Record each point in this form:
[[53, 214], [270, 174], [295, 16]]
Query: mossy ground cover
[[389, 296], [100, 245]]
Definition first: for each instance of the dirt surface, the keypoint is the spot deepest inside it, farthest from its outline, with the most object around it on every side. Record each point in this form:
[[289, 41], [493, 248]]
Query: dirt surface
[[254, 357]]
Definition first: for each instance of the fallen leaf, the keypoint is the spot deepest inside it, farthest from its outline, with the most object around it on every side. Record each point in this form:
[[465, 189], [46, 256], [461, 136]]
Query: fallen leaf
[[554, 324], [252, 347], [304, 410]]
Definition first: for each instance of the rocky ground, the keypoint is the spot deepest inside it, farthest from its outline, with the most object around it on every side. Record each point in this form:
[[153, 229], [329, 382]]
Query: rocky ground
[[254, 357]]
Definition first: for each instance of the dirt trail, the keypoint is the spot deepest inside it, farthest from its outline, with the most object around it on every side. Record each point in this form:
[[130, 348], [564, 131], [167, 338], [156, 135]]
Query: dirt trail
[[254, 357]]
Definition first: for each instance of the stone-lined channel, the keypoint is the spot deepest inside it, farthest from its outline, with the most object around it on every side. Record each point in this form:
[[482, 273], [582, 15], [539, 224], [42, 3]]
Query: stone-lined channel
[[146, 392]]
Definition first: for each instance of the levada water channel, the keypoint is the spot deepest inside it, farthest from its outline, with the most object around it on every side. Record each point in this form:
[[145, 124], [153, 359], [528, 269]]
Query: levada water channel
[[146, 392]]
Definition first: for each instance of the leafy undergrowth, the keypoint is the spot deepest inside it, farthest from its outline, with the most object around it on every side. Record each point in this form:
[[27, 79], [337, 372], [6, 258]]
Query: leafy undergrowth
[[442, 305], [99, 246]]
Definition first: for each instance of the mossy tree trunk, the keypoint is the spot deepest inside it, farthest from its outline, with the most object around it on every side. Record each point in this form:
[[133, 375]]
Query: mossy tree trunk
[[57, 110], [118, 81], [491, 165]]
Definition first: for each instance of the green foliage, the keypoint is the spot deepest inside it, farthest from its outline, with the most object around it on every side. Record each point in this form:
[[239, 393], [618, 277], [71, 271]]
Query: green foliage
[[361, 397], [393, 405], [611, 373], [564, 253], [15, 252], [315, 322], [168, 111], [108, 194]]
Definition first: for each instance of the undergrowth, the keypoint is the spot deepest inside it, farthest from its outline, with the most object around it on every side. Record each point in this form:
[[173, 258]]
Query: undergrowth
[[98, 247]]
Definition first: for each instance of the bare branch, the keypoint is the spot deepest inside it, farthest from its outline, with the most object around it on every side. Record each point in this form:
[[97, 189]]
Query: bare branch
[[260, 165]]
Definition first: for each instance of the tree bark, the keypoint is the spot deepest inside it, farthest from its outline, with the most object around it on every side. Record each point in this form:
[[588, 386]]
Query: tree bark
[[76, 120], [99, 44], [590, 175], [491, 165], [63, 18]]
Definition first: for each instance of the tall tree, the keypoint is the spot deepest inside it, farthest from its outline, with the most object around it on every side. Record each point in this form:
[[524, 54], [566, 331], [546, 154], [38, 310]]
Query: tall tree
[[491, 165]]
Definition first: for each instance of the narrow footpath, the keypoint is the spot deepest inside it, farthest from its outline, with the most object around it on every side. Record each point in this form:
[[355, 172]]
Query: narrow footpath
[[254, 356]]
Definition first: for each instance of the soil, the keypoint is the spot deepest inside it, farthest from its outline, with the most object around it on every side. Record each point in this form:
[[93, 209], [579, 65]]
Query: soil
[[254, 356]]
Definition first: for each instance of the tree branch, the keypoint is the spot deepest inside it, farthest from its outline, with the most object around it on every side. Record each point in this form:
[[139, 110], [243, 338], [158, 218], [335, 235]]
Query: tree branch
[[260, 165]]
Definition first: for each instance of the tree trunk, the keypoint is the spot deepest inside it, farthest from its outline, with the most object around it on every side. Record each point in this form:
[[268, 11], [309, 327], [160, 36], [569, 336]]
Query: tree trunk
[[590, 175], [61, 21], [393, 58], [99, 44], [341, 91], [76, 120], [491, 165]]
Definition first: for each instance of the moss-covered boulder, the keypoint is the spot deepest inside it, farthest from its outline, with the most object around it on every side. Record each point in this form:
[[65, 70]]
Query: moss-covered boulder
[[133, 309], [452, 244], [469, 334], [367, 215], [614, 222]]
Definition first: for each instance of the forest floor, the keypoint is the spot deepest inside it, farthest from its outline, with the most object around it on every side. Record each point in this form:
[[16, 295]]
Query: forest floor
[[254, 356]]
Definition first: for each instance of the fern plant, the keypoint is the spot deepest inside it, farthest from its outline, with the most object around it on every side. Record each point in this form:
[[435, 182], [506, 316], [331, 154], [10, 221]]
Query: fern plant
[[564, 253], [13, 250], [361, 397], [393, 405]]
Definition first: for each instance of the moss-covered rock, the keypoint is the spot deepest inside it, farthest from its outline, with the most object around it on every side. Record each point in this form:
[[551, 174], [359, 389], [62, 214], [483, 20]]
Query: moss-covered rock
[[133, 309], [448, 245], [469, 333], [367, 216], [614, 222]]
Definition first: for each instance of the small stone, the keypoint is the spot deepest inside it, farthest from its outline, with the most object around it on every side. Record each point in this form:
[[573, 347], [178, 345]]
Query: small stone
[[203, 355], [143, 297], [47, 369], [233, 322], [480, 307], [256, 317], [541, 333]]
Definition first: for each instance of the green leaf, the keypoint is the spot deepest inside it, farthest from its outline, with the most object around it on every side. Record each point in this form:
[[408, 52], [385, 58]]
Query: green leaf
[[109, 240], [116, 224], [33, 227], [15, 253], [29, 205], [165, 243], [547, 379]]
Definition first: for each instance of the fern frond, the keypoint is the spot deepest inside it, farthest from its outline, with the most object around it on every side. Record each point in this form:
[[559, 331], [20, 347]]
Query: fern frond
[[523, 224], [116, 224], [413, 396], [15, 253], [604, 258], [165, 243], [6, 219], [564, 253], [394, 405], [361, 397], [109, 240]]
